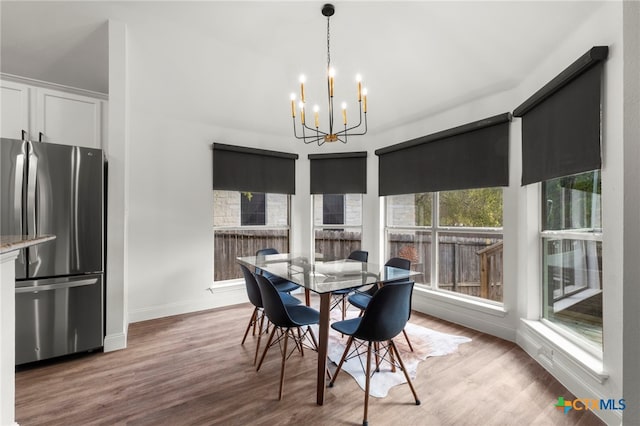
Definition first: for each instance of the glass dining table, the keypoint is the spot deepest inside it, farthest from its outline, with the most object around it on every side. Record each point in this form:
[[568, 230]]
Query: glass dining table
[[323, 278]]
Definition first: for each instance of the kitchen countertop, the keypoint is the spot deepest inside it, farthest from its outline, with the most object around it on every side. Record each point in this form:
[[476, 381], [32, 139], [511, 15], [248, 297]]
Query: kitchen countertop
[[16, 242]]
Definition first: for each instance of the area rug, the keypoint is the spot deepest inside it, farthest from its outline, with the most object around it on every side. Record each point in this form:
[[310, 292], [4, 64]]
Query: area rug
[[426, 343]]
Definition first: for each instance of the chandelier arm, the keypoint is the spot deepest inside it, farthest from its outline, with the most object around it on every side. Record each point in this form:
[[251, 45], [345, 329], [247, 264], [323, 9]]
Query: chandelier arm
[[308, 139], [353, 127], [314, 130]]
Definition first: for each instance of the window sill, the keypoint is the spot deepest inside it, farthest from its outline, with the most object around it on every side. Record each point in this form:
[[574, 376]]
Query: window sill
[[589, 363], [464, 302]]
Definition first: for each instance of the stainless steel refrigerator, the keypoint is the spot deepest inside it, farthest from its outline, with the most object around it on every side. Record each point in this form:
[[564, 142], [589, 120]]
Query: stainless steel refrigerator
[[55, 189]]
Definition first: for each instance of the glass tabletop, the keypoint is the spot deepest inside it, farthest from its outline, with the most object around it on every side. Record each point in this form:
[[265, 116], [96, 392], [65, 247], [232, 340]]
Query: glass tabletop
[[324, 276]]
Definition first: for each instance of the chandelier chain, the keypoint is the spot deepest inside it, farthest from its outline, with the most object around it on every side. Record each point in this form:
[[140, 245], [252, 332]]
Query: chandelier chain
[[328, 45]]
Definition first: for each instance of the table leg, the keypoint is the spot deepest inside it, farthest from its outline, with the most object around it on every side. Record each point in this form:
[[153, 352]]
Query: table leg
[[307, 297], [323, 343]]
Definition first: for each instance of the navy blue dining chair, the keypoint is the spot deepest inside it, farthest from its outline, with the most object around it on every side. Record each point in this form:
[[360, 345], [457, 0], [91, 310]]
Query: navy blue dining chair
[[340, 296], [360, 299], [257, 317], [287, 320], [280, 283], [384, 318]]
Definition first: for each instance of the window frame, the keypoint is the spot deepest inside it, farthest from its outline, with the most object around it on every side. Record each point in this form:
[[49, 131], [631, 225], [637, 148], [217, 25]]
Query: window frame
[[435, 230], [329, 227], [576, 234], [240, 227]]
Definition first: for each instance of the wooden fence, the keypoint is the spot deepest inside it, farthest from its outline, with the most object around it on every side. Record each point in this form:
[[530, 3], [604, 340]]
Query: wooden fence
[[229, 244], [461, 260], [468, 263]]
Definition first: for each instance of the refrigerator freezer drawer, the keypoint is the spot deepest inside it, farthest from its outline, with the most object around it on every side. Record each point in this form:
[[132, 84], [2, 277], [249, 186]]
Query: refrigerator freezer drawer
[[57, 317]]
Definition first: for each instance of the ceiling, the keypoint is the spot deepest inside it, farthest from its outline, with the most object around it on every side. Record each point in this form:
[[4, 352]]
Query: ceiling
[[239, 61]]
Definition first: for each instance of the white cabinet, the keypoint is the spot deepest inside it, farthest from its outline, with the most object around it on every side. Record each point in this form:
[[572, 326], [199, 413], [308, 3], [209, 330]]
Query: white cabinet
[[14, 109], [51, 115]]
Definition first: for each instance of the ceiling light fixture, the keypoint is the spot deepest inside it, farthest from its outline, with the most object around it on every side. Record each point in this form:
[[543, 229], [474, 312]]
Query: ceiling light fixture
[[314, 134]]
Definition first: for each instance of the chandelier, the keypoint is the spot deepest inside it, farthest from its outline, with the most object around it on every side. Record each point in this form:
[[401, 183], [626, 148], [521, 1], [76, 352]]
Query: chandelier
[[313, 134]]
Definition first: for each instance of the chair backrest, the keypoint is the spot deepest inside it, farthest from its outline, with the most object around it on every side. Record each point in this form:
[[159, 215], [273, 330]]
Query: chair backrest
[[394, 262], [260, 254], [399, 262], [272, 303], [266, 251], [253, 291], [359, 255], [387, 312]]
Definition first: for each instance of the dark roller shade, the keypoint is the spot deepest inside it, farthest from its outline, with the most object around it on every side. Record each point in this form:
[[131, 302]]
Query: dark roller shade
[[561, 122], [475, 155], [340, 173], [237, 168]]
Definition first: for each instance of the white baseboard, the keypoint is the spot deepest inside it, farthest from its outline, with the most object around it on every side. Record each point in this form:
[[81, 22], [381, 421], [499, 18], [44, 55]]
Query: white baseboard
[[495, 324], [219, 295], [115, 342]]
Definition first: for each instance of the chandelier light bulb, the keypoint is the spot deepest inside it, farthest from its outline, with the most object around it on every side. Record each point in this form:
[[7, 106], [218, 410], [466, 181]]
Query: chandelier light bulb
[[293, 105], [316, 115], [364, 100], [303, 78], [344, 113], [302, 118]]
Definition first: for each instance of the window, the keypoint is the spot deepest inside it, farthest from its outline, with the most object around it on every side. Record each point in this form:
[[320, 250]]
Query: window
[[252, 209], [329, 210], [245, 222], [571, 238], [333, 209], [453, 238]]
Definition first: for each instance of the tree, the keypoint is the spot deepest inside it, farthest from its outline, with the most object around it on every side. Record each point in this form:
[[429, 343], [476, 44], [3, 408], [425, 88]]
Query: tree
[[471, 207]]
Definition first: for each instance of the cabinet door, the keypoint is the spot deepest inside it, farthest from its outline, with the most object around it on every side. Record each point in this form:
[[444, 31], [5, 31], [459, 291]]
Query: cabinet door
[[14, 109], [68, 119]]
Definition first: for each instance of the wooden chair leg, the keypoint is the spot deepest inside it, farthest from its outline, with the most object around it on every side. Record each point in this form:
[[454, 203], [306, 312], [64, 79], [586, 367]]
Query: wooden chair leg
[[365, 422], [344, 355], [392, 347], [313, 337], [284, 359], [406, 336], [255, 358], [393, 362], [251, 322], [376, 347], [300, 344], [267, 347]]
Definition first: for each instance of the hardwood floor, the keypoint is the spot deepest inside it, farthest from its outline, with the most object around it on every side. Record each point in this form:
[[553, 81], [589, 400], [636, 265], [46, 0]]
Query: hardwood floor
[[191, 370]]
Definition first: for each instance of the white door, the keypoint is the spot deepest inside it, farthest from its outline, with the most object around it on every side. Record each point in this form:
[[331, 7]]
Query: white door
[[68, 119], [14, 110]]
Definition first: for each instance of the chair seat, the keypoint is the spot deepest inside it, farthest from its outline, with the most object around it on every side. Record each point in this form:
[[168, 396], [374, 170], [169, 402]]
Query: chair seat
[[303, 315], [360, 300], [347, 327], [343, 291], [288, 299]]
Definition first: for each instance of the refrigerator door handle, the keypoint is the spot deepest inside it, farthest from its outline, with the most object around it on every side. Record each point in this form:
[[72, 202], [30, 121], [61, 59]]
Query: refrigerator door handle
[[18, 195], [35, 289], [31, 202]]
